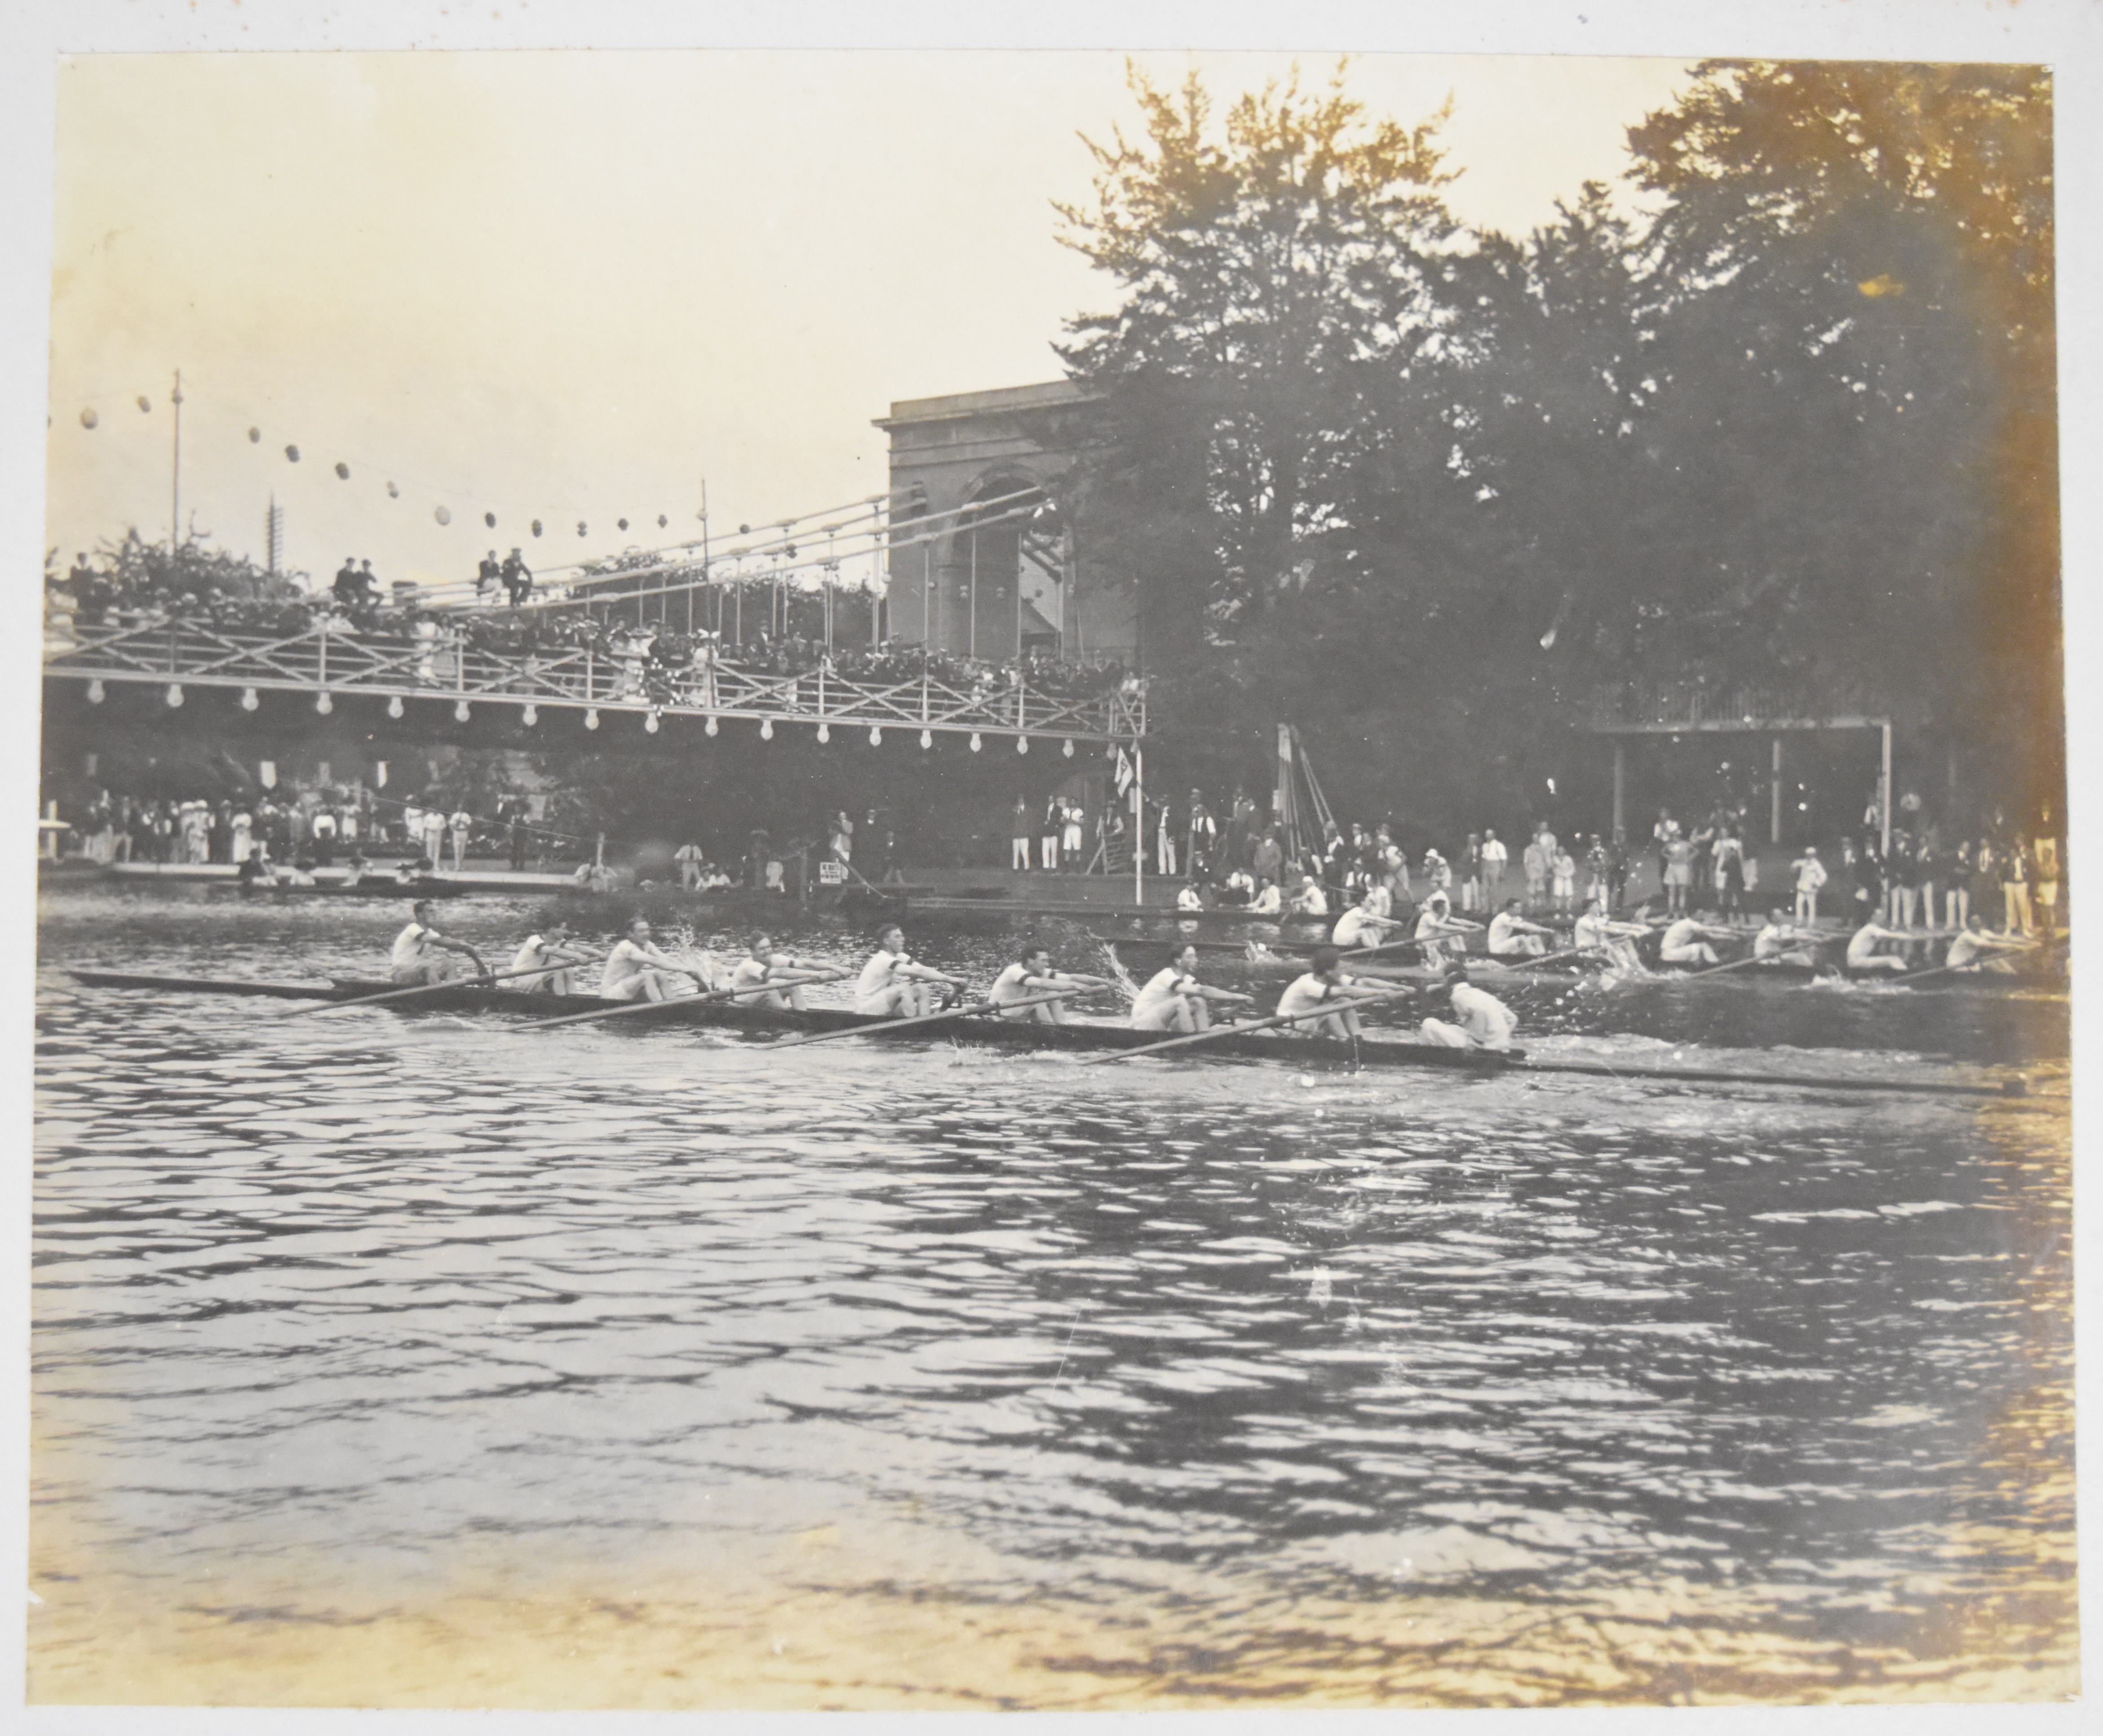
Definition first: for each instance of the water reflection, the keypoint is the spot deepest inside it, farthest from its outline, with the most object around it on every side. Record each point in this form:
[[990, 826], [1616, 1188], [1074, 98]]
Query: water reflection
[[1238, 1381]]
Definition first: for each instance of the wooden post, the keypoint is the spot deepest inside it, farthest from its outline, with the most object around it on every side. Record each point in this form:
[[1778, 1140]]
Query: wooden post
[[1621, 789], [974, 651]]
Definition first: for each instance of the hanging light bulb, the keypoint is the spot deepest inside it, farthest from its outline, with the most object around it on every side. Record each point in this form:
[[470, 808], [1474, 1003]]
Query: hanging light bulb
[[323, 704], [876, 737], [88, 418], [767, 729], [649, 723], [531, 716], [1069, 749], [591, 718], [394, 706], [1022, 744], [248, 702], [824, 732], [927, 738], [174, 693], [95, 693], [709, 727], [461, 711], [975, 743]]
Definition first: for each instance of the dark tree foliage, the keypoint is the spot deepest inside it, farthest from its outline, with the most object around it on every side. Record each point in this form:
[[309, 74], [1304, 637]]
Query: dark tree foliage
[[1427, 492]]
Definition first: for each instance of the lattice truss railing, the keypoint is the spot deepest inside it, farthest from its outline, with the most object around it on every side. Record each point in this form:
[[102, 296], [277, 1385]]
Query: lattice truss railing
[[331, 659]]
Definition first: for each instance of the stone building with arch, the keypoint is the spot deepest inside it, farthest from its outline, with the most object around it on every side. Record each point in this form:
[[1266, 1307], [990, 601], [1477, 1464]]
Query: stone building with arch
[[986, 559]]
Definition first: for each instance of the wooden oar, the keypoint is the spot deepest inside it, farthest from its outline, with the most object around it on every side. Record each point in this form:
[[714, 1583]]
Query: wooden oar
[[924, 1019], [459, 982], [1736, 964], [618, 1007], [1325, 1011]]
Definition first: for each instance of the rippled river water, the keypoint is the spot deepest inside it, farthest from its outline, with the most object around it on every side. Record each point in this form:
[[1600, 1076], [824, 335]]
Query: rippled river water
[[413, 1360]]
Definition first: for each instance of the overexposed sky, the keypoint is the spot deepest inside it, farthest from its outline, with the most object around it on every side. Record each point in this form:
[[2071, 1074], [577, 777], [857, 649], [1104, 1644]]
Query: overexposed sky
[[570, 285]]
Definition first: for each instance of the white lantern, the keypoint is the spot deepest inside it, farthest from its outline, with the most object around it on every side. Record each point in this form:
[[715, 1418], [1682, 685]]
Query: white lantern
[[174, 693], [323, 704], [394, 706], [249, 701], [461, 711], [591, 718]]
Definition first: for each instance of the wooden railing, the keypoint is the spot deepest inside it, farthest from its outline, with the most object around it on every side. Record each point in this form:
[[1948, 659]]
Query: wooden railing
[[327, 658]]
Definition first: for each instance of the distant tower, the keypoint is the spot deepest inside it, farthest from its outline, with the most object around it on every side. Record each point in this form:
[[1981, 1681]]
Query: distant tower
[[274, 534]]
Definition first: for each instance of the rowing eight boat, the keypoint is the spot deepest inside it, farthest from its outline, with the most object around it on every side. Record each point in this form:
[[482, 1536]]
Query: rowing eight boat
[[1299, 1050]]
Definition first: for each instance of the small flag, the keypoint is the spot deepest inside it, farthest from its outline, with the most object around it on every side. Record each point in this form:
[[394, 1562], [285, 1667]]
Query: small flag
[[266, 774], [1124, 772], [380, 775]]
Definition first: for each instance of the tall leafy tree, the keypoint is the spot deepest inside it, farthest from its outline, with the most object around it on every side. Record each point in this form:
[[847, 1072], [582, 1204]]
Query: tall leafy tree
[[1275, 272]]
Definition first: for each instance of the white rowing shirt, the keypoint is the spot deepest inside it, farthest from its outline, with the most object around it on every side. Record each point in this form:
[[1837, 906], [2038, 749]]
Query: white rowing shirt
[[1303, 994], [1483, 1016], [1355, 927], [1592, 929], [750, 974], [1158, 1000], [622, 979], [1767, 943], [883, 972], [1011, 985], [1431, 923], [533, 956], [1507, 933], [412, 949]]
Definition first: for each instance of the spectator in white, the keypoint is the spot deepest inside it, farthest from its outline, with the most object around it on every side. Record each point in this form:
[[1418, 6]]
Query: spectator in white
[[1269, 901], [244, 827], [1240, 888], [1494, 857], [2017, 867], [2046, 851], [689, 859], [1164, 845], [1438, 874], [1310, 900], [1018, 834], [1535, 860], [1512, 936], [1810, 876], [1070, 835], [1188, 897], [841, 841], [1678, 873], [461, 825], [1566, 881], [1666, 829], [1778, 943], [434, 837]]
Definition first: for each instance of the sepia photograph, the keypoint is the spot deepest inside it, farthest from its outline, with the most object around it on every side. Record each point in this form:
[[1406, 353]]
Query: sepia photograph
[[1048, 878]]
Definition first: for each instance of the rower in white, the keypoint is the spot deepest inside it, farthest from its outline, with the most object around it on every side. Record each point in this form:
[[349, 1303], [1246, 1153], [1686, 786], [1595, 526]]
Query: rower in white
[[1969, 951], [636, 971], [1863, 955], [1324, 985], [1175, 1000], [1365, 924], [1781, 944], [551, 949], [892, 986], [1438, 929], [1032, 975], [1512, 936], [1686, 942], [759, 967], [1485, 1022], [1310, 900], [1269, 901], [419, 951]]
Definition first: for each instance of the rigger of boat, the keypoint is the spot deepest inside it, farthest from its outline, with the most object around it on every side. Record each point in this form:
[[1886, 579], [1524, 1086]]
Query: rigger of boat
[[1320, 1017]]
